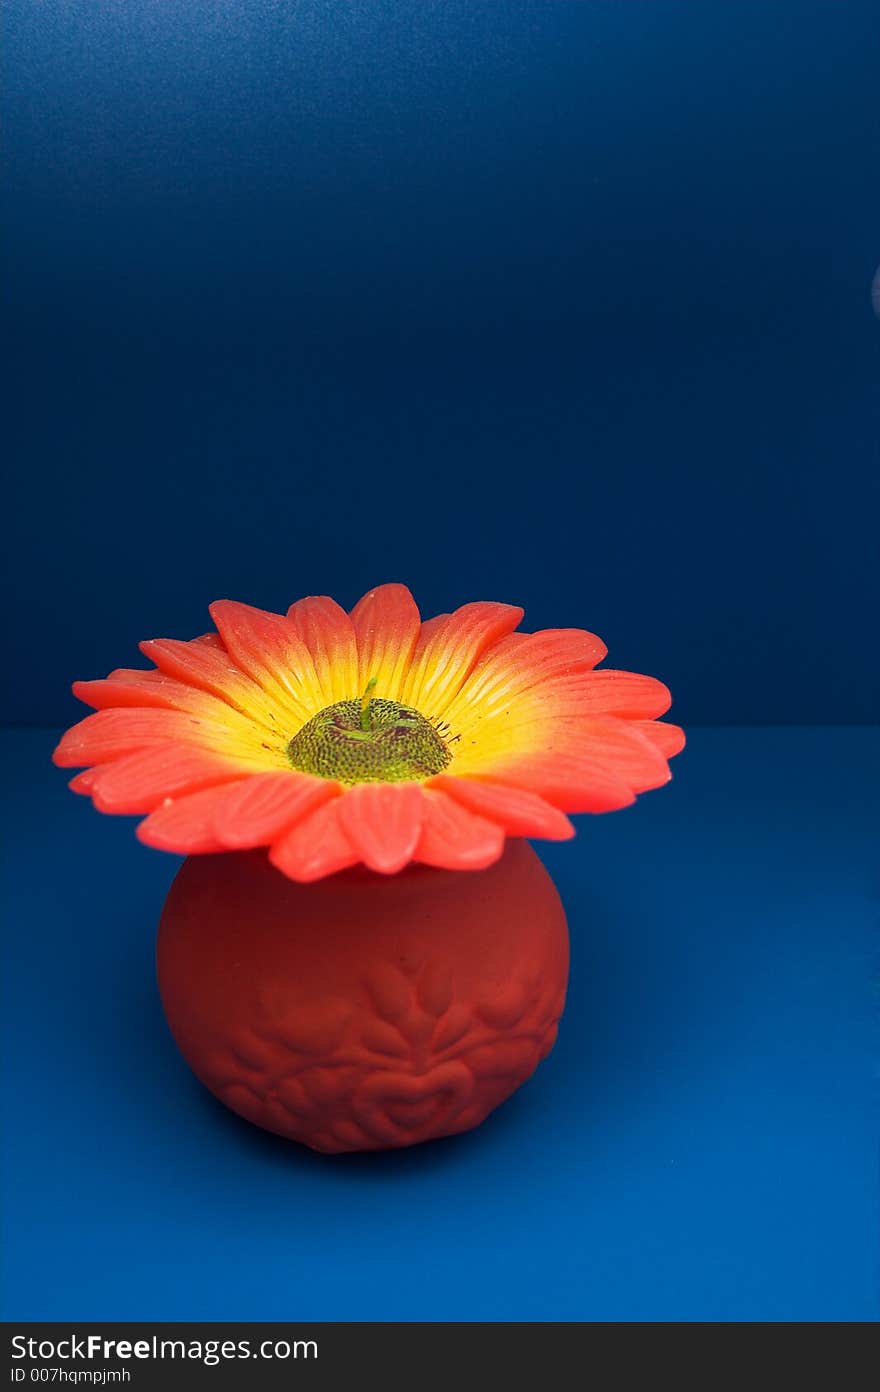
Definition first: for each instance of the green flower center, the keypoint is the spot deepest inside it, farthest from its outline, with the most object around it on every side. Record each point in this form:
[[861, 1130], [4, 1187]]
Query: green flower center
[[369, 741]]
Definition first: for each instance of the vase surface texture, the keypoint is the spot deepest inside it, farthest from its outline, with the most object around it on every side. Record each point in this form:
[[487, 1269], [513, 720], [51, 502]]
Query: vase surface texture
[[363, 1011]]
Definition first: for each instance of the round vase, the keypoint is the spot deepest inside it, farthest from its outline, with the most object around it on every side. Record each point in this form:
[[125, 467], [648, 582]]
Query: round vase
[[363, 1011]]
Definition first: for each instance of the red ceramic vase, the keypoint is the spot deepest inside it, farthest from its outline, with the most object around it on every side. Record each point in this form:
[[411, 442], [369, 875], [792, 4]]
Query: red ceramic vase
[[363, 1012]]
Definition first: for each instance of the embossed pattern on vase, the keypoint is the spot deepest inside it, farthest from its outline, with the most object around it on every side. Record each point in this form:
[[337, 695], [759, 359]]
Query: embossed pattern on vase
[[363, 1012], [409, 1062]]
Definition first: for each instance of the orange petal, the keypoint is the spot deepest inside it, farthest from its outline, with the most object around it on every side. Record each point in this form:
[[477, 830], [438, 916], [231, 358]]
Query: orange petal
[[571, 782], [112, 734], [455, 838], [627, 694], [669, 739], [386, 628], [84, 782], [549, 652], [185, 825], [526, 662], [256, 812], [452, 651], [382, 821], [133, 688], [428, 628], [615, 745], [209, 667], [267, 647], [142, 781], [328, 633], [315, 847], [222, 726], [520, 813]]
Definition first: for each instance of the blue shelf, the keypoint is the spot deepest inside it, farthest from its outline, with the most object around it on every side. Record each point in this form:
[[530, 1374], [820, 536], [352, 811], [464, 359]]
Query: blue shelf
[[701, 1145]]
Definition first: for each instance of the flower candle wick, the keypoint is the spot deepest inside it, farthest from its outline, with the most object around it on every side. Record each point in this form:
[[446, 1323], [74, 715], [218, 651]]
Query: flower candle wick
[[366, 723]]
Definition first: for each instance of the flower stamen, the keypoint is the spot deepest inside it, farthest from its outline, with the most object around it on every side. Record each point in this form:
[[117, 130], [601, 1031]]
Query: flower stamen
[[369, 740], [365, 703]]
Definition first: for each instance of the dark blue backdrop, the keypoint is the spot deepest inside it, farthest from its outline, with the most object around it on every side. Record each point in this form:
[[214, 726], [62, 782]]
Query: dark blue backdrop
[[564, 304]]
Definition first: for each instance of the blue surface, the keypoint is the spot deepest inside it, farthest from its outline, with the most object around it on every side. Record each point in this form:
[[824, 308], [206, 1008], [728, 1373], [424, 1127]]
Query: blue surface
[[701, 1145], [561, 304]]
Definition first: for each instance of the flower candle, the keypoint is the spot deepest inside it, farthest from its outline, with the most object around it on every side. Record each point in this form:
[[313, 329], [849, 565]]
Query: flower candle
[[362, 746]]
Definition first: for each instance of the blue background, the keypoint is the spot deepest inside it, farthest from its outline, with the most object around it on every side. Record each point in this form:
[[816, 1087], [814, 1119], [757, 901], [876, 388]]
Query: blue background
[[566, 304]]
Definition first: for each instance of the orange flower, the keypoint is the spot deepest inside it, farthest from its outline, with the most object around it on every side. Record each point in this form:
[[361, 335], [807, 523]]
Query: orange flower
[[371, 737]]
